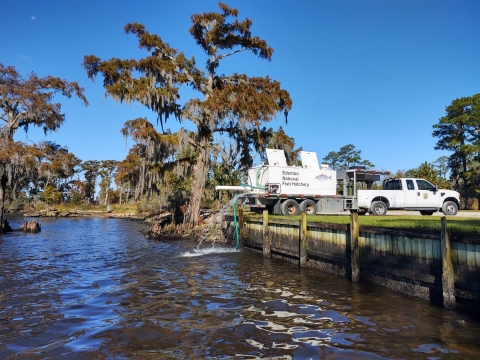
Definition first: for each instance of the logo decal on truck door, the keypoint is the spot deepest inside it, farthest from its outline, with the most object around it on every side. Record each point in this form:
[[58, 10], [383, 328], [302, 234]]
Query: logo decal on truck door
[[425, 195]]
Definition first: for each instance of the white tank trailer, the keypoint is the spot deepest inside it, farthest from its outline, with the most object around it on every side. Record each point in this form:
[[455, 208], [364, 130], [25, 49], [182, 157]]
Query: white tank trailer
[[313, 188]]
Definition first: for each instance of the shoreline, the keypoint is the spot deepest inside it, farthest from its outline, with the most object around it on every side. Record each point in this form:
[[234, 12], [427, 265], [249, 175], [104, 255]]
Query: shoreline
[[159, 224], [80, 213]]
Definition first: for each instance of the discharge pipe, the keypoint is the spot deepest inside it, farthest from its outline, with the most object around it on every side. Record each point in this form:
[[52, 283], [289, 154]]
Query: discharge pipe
[[242, 187], [233, 188]]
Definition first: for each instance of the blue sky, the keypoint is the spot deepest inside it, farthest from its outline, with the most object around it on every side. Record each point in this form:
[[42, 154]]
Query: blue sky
[[376, 74]]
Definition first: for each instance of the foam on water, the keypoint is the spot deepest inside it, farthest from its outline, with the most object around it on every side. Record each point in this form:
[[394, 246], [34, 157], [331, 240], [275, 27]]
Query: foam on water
[[208, 251]]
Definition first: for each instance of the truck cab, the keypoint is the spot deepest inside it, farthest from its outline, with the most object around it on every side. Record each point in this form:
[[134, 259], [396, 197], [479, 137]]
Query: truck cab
[[412, 194]]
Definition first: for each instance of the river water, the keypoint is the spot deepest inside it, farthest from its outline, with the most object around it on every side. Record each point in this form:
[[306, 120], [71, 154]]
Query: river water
[[95, 288]]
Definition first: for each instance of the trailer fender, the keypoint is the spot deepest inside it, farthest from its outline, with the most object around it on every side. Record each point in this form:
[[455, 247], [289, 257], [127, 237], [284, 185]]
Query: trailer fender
[[277, 208]]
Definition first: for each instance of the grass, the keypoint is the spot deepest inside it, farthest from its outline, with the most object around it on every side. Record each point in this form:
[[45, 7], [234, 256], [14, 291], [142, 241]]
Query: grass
[[410, 222]]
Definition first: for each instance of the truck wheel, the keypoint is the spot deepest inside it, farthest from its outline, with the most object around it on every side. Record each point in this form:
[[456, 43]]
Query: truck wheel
[[308, 206], [426, 212], [378, 208], [449, 208], [290, 208]]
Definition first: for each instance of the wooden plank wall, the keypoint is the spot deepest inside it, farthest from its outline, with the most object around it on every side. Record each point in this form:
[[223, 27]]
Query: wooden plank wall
[[405, 260], [403, 251], [254, 232], [466, 264], [284, 237]]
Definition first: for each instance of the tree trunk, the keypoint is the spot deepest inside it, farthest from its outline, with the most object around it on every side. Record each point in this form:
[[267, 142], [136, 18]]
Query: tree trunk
[[465, 185], [467, 199], [198, 186], [3, 186], [14, 190], [106, 197]]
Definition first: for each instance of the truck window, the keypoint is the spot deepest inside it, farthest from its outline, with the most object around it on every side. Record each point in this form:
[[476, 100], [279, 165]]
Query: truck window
[[410, 185], [424, 185], [397, 184]]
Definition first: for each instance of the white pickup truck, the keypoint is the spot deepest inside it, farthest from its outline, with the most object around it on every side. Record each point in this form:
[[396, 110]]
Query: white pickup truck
[[408, 194]]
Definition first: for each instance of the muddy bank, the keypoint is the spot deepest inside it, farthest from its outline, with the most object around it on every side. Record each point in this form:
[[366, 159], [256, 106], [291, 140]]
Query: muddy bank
[[162, 228]]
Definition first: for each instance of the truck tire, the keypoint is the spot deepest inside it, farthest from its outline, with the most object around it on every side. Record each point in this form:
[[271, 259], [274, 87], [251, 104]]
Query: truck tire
[[290, 208], [378, 208], [426, 212], [308, 206], [449, 208]]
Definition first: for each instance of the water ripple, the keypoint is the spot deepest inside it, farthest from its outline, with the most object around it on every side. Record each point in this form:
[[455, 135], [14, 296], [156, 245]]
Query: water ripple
[[96, 288]]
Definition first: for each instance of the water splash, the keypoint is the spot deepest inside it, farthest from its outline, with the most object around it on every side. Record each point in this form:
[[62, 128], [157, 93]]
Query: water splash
[[215, 224], [218, 217], [209, 251]]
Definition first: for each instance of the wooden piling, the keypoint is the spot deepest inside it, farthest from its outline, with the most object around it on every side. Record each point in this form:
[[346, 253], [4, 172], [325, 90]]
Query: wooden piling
[[303, 243], [241, 227], [266, 237], [448, 278], [354, 247]]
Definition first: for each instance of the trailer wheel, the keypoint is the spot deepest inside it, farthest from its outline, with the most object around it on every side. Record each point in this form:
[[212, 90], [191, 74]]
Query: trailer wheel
[[378, 208], [449, 208], [308, 206], [426, 212], [290, 208]]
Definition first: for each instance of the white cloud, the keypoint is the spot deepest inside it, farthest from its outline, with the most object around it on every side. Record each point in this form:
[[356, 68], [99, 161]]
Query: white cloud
[[33, 18], [25, 57]]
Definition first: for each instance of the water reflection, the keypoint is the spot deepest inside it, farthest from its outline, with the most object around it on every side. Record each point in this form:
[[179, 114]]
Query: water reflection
[[96, 288]]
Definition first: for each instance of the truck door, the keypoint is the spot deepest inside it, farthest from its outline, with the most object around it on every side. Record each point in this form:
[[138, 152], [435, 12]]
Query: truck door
[[410, 194], [427, 194], [399, 196]]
